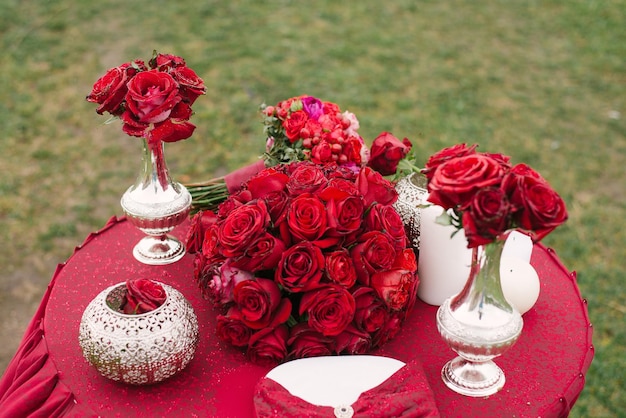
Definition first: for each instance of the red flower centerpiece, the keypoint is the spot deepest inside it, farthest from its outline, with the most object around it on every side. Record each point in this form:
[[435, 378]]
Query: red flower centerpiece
[[306, 260], [153, 103], [486, 196]]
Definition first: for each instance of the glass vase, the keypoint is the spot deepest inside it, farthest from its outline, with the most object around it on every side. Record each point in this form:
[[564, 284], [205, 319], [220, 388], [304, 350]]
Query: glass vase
[[155, 204], [478, 324]]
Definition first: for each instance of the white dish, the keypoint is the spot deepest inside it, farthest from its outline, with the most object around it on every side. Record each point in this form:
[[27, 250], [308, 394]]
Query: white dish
[[334, 380]]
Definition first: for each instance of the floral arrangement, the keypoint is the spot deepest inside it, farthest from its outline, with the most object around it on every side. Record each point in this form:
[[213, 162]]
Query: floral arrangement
[[305, 128], [306, 260], [137, 296], [154, 101], [485, 195]]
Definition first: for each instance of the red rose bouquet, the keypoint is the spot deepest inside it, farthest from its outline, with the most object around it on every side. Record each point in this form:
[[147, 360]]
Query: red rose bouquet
[[305, 128], [486, 195], [306, 260], [154, 101]]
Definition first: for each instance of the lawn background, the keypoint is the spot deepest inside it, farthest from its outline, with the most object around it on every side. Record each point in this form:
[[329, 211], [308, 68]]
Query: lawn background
[[544, 82]]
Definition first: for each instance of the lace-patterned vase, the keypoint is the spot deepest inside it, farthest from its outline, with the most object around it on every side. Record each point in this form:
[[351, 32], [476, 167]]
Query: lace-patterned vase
[[155, 204], [411, 194], [139, 349], [478, 324]]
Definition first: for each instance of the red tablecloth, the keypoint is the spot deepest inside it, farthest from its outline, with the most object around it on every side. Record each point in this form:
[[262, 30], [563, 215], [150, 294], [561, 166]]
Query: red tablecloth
[[545, 369]]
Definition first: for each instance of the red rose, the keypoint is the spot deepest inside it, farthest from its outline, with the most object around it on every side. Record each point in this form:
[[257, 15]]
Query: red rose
[[374, 252], [166, 62], [300, 268], [294, 124], [263, 253], [260, 303], [268, 346], [446, 154], [385, 218], [266, 182], [344, 210], [200, 222], [371, 313], [132, 126], [340, 268], [486, 217], [306, 178], [306, 342], [242, 226], [110, 89], [322, 153], [542, 208], [454, 182], [191, 86], [220, 281], [175, 128], [375, 188], [143, 295], [329, 308], [353, 151], [306, 217], [395, 287], [231, 329], [389, 330], [352, 341], [151, 96], [386, 152]]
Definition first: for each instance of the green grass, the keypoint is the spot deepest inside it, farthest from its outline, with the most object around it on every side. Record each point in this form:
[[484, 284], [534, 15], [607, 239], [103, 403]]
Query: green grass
[[544, 82]]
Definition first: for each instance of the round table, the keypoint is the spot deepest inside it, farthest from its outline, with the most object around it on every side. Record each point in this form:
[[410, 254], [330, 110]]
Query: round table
[[545, 369]]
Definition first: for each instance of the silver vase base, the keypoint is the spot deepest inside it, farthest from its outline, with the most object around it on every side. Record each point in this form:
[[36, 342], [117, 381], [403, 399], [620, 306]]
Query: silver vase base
[[158, 251], [473, 379]]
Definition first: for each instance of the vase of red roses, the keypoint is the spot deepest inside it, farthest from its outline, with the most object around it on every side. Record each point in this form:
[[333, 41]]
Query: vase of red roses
[[306, 260], [487, 197], [154, 104], [139, 332]]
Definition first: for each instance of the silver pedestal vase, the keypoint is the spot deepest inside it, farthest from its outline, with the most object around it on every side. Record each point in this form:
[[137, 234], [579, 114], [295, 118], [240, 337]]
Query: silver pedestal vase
[[479, 325], [155, 204]]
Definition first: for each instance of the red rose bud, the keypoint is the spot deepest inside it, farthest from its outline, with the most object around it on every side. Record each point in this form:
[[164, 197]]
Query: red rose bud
[[143, 295], [386, 153]]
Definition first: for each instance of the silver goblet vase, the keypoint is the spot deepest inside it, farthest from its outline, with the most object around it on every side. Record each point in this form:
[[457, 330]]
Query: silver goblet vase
[[155, 204]]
